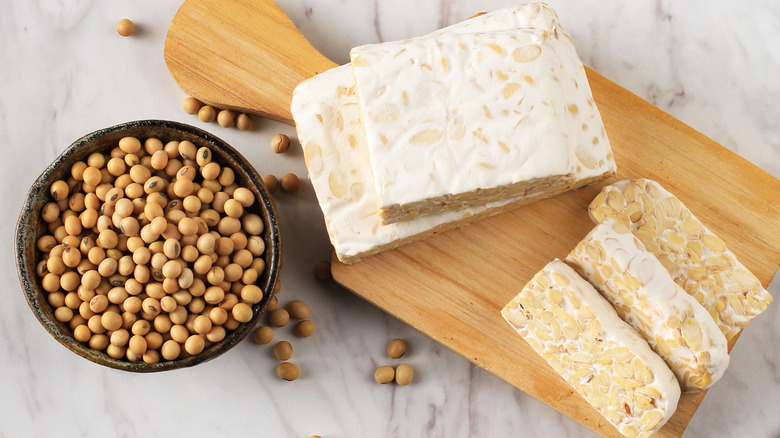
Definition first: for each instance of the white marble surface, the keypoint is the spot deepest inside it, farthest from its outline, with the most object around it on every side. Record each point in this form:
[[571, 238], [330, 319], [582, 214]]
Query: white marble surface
[[64, 72]]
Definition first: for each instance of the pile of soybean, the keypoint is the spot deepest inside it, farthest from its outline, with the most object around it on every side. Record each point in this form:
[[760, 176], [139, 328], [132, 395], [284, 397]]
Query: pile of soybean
[[151, 252]]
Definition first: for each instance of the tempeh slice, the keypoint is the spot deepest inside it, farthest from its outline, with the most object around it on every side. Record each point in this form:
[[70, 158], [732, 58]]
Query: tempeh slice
[[675, 325], [566, 321], [695, 257]]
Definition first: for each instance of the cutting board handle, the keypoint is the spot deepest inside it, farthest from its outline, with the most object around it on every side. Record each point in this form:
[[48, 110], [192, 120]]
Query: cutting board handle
[[244, 55]]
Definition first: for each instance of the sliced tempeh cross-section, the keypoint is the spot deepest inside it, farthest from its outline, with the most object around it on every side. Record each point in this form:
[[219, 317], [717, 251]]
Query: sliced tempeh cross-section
[[675, 325], [697, 259], [566, 321]]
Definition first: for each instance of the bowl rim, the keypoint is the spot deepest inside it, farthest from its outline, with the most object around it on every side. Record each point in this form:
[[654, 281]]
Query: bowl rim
[[33, 290]]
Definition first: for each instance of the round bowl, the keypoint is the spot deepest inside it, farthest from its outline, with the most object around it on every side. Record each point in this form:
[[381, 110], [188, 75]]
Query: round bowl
[[31, 225]]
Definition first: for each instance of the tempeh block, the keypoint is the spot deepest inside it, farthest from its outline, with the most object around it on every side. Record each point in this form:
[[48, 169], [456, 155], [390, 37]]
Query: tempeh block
[[675, 325], [328, 120], [695, 257], [566, 321], [462, 119]]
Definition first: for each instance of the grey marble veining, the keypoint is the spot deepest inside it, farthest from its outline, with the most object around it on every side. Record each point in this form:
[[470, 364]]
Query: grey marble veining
[[65, 72]]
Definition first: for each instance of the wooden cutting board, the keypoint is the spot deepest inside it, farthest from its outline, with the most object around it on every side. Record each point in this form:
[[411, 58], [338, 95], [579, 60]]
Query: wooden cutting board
[[248, 56]]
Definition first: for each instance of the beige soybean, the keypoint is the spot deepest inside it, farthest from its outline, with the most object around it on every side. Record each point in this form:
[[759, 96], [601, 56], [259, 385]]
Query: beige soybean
[[283, 350], [63, 314], [226, 177], [98, 341], [130, 145], [137, 344], [404, 374], [194, 344], [242, 312], [233, 273], [256, 246], [125, 27], [233, 208], [244, 196], [207, 114], [252, 224], [187, 150], [384, 374], [216, 334], [304, 329], [203, 156], [226, 118], [251, 293], [396, 348], [278, 318], [297, 309], [111, 320], [59, 190], [263, 335], [289, 182], [280, 143], [152, 145], [170, 350], [92, 176], [287, 371], [202, 324], [239, 241], [270, 182], [244, 122], [82, 333], [191, 105]]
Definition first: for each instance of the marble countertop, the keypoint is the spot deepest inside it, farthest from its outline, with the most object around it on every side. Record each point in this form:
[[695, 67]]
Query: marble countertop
[[65, 72]]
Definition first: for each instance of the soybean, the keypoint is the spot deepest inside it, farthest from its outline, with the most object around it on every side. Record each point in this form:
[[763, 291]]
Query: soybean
[[280, 143], [226, 118], [384, 374], [396, 348], [125, 27], [404, 374], [287, 371], [270, 182], [263, 335], [289, 182], [278, 318], [283, 350], [190, 105], [298, 309], [244, 122], [207, 114], [304, 329]]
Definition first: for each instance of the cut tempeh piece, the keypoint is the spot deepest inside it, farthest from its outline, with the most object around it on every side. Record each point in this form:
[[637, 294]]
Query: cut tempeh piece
[[674, 324], [697, 259], [327, 118], [566, 321], [464, 119]]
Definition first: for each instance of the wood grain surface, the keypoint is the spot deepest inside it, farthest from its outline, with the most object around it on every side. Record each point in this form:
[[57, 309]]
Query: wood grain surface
[[246, 55], [452, 286]]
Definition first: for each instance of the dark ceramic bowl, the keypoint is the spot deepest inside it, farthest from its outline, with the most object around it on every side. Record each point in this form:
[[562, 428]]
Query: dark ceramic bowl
[[30, 226]]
